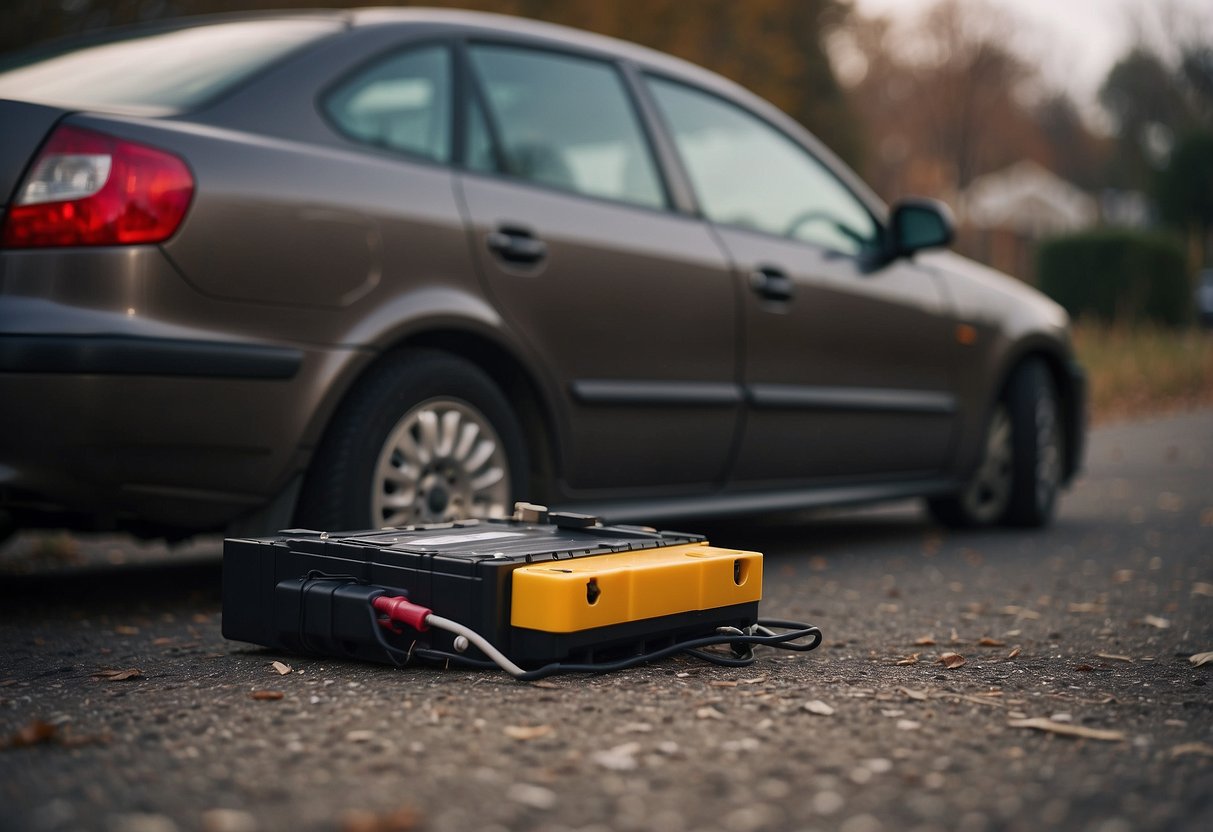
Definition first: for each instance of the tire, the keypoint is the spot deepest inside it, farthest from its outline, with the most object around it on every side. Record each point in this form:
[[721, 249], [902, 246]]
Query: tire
[[425, 437], [1019, 476]]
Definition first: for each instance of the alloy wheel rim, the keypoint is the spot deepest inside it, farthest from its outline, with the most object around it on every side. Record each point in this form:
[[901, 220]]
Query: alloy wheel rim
[[442, 462], [989, 491]]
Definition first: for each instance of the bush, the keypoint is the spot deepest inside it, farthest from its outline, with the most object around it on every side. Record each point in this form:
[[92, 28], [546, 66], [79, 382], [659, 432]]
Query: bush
[[1117, 276]]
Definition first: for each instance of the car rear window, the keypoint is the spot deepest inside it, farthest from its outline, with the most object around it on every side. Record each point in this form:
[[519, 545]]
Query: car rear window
[[163, 70]]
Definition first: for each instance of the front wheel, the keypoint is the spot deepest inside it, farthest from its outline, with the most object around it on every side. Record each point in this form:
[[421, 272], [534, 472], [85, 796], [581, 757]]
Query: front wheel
[[426, 437], [1019, 476]]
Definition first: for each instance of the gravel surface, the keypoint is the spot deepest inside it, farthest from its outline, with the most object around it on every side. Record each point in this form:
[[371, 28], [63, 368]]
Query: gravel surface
[[1086, 627]]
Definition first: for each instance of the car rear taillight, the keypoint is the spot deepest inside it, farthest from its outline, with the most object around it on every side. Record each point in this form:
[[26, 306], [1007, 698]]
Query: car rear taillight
[[89, 189]]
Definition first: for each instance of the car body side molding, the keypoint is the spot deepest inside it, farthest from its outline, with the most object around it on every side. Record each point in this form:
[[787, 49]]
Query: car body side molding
[[851, 398]]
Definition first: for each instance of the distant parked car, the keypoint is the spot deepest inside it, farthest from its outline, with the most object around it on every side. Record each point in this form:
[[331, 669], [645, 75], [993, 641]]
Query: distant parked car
[[1204, 296], [359, 269]]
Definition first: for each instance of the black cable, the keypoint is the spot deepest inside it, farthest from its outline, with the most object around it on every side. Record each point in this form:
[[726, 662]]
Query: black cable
[[782, 641]]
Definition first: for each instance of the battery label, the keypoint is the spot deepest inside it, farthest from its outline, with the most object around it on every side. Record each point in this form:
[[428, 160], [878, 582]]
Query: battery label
[[442, 540]]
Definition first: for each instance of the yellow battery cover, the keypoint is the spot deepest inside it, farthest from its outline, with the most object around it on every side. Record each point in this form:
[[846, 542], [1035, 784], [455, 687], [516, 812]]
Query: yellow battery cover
[[582, 593]]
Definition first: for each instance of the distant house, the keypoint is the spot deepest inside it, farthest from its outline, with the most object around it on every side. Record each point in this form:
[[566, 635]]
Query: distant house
[[1004, 214], [1029, 200]]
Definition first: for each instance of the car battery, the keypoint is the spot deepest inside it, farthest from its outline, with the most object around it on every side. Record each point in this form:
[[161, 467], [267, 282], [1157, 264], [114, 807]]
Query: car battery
[[540, 588]]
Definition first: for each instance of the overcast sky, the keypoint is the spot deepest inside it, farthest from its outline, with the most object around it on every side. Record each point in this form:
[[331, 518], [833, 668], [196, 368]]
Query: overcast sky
[[1075, 42]]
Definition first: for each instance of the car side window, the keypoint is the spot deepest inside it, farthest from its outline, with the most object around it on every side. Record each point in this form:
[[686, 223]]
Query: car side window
[[746, 173], [565, 122], [401, 103]]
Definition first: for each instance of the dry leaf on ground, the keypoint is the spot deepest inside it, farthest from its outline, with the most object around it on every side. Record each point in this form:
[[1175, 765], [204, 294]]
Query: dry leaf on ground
[[951, 660], [1203, 749], [919, 695], [908, 660], [267, 695], [1113, 657], [1203, 588], [116, 675], [527, 732], [816, 706], [31, 734], [1066, 729], [1015, 651], [708, 713], [925, 641], [1156, 621], [986, 641], [1084, 668], [1201, 658], [404, 819], [282, 669]]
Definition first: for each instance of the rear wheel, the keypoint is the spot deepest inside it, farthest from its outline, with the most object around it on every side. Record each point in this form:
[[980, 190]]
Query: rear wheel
[[425, 438], [1019, 476]]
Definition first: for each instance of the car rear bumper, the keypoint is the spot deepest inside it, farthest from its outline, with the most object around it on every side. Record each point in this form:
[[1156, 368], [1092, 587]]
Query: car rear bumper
[[117, 420]]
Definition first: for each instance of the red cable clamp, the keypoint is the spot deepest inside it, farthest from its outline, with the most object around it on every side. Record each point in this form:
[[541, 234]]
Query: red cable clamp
[[402, 611]]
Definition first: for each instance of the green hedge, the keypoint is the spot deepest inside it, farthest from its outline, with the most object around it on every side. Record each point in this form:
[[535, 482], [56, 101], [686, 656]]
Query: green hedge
[[1117, 275]]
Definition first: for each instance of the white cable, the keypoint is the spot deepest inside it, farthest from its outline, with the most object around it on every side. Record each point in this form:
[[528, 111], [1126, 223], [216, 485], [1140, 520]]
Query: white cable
[[477, 639]]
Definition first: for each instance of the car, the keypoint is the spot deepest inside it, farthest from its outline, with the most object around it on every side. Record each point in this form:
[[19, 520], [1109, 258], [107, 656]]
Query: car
[[387, 267], [1204, 297]]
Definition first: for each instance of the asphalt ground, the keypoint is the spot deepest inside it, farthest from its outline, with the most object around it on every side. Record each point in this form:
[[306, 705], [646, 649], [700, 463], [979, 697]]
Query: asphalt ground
[[1088, 626]]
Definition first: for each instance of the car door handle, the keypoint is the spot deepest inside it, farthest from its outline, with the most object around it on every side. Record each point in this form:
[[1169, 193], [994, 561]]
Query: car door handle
[[771, 284], [516, 245]]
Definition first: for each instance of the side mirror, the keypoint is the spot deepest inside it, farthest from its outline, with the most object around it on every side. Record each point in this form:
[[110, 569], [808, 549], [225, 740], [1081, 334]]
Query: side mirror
[[919, 223]]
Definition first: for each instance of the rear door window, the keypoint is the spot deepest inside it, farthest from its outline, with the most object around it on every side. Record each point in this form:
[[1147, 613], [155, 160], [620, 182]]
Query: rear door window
[[565, 122], [401, 103]]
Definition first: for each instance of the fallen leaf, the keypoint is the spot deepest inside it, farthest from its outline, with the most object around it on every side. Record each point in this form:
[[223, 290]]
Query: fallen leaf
[[126, 630], [757, 680], [816, 706], [1203, 588], [360, 735], [619, 758], [31, 734], [919, 695], [909, 660], [404, 819], [116, 675], [908, 725], [955, 639], [1156, 621], [163, 641], [546, 685], [1019, 612], [282, 669], [1065, 729], [1084, 668], [925, 641], [527, 732], [722, 683], [1015, 651], [1201, 658], [951, 660], [1203, 749], [1113, 657], [708, 713], [986, 641], [1087, 606], [267, 695]]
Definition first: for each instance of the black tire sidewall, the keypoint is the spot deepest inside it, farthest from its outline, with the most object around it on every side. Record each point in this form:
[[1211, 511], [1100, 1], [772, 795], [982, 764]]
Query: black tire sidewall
[[337, 489], [1030, 383]]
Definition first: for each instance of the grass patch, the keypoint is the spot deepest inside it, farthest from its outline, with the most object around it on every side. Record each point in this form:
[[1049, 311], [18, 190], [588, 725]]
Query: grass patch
[[1140, 370]]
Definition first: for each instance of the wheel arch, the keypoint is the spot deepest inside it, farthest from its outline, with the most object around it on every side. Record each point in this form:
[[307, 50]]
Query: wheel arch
[[477, 342]]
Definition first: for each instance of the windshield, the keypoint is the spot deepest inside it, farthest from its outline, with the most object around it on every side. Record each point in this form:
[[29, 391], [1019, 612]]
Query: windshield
[[172, 70]]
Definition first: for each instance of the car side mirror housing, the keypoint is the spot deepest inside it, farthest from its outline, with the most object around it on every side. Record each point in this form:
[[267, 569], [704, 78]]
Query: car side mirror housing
[[919, 223]]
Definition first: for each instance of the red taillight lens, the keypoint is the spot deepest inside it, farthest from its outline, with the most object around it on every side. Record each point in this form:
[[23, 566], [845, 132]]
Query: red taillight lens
[[90, 189]]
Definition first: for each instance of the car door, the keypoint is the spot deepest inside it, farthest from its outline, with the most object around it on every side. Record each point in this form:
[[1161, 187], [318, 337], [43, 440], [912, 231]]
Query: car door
[[847, 365], [629, 307]]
